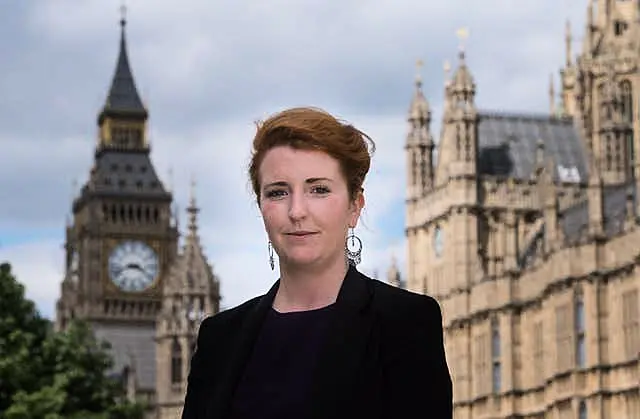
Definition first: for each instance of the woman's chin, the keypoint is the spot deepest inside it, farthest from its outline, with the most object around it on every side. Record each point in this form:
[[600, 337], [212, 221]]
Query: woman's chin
[[300, 259]]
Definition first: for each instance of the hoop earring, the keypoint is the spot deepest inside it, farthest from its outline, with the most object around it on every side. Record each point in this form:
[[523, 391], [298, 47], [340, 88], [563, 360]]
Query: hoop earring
[[272, 262], [353, 256]]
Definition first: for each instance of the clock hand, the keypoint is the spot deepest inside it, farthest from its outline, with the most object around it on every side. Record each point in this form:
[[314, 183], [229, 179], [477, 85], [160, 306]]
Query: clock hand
[[134, 266]]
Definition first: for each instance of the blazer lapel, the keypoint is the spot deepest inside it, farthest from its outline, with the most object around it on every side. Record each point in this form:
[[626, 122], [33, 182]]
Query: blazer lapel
[[220, 402], [346, 343], [348, 333]]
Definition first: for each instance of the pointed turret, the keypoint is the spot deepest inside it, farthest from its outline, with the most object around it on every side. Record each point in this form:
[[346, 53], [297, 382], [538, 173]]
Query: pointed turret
[[457, 151], [419, 111], [419, 146], [463, 85], [587, 46], [193, 211], [191, 293], [123, 118], [462, 89], [568, 40], [123, 99]]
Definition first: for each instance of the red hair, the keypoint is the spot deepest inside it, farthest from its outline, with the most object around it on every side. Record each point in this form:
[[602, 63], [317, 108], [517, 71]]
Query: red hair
[[314, 129]]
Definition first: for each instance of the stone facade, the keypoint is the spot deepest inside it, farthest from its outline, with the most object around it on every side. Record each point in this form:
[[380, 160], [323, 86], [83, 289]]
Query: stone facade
[[526, 230], [125, 273]]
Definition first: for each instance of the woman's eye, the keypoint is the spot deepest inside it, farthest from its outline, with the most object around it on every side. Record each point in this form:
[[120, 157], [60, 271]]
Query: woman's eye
[[320, 189], [275, 193]]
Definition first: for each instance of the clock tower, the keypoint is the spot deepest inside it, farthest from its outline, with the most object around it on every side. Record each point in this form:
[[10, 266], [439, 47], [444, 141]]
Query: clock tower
[[121, 240]]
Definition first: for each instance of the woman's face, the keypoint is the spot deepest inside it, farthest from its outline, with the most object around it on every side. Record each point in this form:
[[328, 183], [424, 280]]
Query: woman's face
[[305, 206]]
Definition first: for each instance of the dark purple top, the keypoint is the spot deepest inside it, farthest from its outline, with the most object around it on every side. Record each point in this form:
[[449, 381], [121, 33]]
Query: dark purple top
[[277, 379]]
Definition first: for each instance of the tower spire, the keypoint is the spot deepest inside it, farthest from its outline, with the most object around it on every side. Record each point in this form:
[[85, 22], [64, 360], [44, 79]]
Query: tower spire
[[462, 90], [568, 39], [419, 145], [463, 34], [123, 15], [419, 65], [193, 209], [123, 98], [457, 149], [419, 111]]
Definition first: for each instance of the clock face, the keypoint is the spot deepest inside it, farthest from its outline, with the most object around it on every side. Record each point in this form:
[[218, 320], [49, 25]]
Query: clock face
[[133, 266], [438, 241]]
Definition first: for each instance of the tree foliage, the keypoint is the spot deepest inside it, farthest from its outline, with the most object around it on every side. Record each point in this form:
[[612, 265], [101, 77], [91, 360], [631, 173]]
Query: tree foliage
[[53, 375]]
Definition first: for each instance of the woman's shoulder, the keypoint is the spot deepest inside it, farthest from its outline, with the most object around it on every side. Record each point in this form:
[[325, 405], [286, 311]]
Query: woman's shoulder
[[229, 319], [393, 301]]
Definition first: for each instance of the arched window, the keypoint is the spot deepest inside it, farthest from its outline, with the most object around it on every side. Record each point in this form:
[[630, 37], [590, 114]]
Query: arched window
[[626, 101], [602, 102], [423, 169], [582, 410], [581, 356], [415, 167], [495, 355], [627, 112], [176, 362]]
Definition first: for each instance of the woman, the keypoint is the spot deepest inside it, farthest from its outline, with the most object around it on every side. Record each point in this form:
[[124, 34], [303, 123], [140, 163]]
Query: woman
[[326, 341]]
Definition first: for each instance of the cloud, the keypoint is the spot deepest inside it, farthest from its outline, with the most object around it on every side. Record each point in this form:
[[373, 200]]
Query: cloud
[[216, 59], [208, 69], [36, 181], [230, 226]]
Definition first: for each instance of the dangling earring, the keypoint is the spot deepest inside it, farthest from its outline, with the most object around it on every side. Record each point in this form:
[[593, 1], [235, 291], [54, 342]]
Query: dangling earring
[[272, 262], [353, 256]]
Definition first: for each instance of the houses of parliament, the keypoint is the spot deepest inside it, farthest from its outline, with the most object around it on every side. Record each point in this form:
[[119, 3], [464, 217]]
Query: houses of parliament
[[525, 228], [527, 231]]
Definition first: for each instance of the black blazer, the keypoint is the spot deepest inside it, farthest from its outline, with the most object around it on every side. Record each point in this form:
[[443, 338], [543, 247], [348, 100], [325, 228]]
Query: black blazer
[[384, 356]]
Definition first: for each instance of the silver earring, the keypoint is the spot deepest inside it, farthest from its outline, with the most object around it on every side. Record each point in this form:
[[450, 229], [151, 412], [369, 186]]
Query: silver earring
[[354, 254], [272, 262]]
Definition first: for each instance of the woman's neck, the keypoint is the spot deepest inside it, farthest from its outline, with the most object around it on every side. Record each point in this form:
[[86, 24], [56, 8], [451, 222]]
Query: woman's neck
[[304, 288]]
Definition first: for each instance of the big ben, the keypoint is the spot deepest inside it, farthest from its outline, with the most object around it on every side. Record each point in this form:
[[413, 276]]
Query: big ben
[[121, 241]]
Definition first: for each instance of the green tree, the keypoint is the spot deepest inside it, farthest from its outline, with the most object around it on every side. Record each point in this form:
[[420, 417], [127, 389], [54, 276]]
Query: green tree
[[22, 336], [48, 375]]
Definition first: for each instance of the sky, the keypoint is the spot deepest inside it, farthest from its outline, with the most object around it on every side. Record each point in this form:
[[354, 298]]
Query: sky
[[207, 70]]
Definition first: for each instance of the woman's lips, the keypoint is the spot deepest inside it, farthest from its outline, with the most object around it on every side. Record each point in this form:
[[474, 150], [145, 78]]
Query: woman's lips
[[301, 234]]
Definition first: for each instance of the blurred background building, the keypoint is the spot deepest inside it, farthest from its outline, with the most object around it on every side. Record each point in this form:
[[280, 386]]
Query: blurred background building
[[126, 274], [526, 230], [524, 227]]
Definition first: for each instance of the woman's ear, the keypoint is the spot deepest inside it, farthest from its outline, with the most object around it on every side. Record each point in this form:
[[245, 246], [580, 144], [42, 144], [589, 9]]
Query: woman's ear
[[356, 209]]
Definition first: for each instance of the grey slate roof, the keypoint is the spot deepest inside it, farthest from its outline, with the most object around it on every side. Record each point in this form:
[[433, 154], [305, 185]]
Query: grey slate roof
[[508, 146], [123, 95], [508, 142], [123, 173], [126, 173], [575, 220], [131, 343]]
